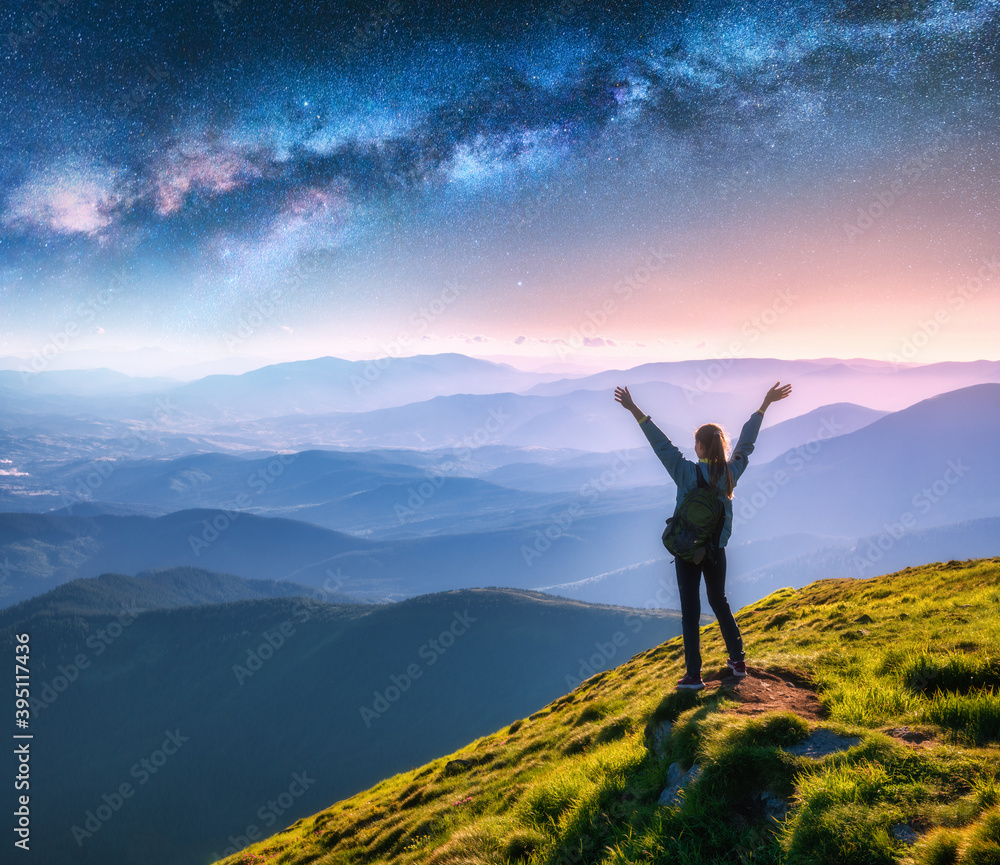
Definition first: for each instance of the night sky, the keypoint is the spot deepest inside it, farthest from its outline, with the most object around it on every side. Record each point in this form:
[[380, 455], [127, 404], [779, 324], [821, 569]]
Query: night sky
[[565, 179]]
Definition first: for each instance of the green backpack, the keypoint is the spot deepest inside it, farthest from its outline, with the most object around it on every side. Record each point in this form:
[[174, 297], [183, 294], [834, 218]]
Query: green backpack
[[694, 530]]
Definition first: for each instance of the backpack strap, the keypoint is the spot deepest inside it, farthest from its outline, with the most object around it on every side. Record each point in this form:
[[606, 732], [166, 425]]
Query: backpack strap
[[717, 534]]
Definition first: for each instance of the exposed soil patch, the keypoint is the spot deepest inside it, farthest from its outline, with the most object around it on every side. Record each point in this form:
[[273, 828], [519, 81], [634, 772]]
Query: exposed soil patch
[[819, 743], [763, 691], [913, 738]]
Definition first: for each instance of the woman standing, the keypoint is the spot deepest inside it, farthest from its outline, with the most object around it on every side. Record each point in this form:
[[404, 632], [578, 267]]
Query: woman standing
[[710, 445]]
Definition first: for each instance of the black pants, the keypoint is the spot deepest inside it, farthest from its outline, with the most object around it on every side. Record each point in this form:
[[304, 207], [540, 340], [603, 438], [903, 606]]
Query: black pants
[[688, 585]]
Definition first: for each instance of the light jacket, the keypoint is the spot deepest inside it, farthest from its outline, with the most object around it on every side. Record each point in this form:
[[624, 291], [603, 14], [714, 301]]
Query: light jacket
[[683, 470]]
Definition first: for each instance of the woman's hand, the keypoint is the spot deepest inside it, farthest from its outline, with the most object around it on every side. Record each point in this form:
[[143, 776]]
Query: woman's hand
[[779, 391], [625, 398]]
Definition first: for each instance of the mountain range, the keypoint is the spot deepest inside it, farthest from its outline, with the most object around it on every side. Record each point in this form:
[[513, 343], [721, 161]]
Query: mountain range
[[399, 525], [228, 702]]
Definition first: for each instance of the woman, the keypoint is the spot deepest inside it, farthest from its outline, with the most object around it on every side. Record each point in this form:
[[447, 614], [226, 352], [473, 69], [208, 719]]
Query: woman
[[710, 444]]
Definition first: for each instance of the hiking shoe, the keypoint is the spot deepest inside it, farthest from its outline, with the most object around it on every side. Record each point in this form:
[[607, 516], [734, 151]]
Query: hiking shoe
[[691, 683], [738, 668]]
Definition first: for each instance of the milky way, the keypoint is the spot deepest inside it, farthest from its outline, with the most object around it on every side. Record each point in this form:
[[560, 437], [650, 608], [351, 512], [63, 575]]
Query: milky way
[[329, 166]]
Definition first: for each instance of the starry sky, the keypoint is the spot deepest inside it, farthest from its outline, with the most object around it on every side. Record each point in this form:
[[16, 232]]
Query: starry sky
[[572, 179]]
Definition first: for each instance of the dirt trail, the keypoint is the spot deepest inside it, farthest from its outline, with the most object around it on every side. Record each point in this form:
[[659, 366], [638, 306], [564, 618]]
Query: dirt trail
[[763, 691], [784, 691]]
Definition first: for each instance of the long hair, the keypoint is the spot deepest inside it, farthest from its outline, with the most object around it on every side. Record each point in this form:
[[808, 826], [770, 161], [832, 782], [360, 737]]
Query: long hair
[[715, 444]]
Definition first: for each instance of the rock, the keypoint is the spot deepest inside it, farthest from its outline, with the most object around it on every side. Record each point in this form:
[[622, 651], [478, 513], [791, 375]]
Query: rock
[[864, 619], [453, 767], [902, 832], [907, 734], [819, 743], [661, 739], [677, 780], [669, 797], [674, 774], [772, 805]]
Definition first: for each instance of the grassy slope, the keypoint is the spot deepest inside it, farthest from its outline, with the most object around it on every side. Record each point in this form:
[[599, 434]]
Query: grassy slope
[[578, 781]]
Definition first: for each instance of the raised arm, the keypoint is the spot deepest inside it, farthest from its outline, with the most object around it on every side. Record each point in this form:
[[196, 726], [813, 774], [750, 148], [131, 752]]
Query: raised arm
[[672, 459], [779, 391], [748, 435], [625, 398]]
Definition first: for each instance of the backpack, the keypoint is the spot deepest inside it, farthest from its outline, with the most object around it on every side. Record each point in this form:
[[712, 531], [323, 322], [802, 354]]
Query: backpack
[[696, 526]]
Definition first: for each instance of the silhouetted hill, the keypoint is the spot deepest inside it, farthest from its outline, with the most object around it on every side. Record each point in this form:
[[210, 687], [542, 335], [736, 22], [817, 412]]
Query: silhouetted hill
[[823, 422], [329, 384], [880, 384], [873, 554], [109, 594], [218, 480], [919, 467], [257, 692], [580, 419], [42, 551]]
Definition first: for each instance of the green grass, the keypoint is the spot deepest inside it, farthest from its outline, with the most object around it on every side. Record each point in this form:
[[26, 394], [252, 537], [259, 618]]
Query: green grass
[[973, 717], [579, 780]]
